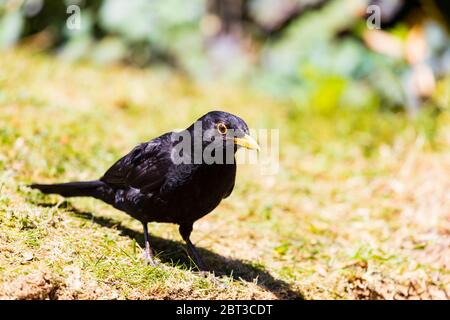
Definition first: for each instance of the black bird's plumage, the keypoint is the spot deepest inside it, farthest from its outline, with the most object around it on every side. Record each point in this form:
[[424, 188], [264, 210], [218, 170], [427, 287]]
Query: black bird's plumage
[[148, 185]]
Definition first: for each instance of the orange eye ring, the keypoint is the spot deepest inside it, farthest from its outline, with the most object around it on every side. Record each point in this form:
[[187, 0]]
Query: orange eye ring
[[222, 128]]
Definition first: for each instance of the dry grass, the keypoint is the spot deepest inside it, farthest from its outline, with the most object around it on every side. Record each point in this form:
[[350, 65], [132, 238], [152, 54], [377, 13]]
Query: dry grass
[[359, 210]]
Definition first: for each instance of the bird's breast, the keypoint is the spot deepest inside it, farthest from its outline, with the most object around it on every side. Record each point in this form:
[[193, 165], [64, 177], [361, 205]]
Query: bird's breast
[[191, 191]]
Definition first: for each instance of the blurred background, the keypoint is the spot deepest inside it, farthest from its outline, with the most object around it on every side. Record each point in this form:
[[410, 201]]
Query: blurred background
[[318, 53]]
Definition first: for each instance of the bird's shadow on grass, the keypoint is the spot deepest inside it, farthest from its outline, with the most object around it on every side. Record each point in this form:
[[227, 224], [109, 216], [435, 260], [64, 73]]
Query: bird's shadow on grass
[[173, 252]]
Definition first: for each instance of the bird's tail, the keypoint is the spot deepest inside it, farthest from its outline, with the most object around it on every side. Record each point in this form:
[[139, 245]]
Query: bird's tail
[[96, 189]]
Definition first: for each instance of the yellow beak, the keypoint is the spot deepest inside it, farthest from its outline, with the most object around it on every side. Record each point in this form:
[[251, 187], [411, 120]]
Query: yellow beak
[[247, 142]]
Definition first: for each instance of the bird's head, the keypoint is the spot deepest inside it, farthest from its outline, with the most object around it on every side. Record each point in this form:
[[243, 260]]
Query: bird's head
[[228, 128]]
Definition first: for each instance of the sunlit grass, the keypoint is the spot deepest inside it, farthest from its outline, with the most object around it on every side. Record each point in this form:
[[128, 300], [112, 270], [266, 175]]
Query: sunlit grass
[[358, 209]]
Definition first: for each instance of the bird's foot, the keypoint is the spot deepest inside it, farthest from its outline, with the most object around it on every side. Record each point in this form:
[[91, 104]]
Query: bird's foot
[[152, 263], [201, 267], [150, 260], [202, 273], [195, 257]]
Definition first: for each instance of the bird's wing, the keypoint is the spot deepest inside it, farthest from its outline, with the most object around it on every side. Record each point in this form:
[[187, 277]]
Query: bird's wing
[[144, 168]]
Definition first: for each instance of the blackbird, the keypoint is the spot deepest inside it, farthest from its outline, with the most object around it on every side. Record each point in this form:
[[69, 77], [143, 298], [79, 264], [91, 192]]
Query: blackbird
[[177, 177]]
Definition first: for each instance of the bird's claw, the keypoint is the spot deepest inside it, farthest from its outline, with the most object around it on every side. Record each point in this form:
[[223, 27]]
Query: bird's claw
[[152, 263], [150, 260], [202, 273]]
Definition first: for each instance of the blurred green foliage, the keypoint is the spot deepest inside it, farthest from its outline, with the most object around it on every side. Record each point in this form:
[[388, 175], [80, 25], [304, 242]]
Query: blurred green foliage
[[318, 60]]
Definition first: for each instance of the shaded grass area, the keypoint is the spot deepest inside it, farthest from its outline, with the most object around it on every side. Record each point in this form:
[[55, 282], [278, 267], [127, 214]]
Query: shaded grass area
[[359, 207]]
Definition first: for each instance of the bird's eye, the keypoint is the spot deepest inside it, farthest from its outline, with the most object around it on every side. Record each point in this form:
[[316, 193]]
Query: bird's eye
[[222, 128]]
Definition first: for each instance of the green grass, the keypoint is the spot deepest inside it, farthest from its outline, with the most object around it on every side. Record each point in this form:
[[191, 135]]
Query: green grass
[[359, 208]]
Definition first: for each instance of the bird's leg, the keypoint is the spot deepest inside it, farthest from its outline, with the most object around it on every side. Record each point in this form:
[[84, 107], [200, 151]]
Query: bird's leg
[[148, 251], [185, 231]]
